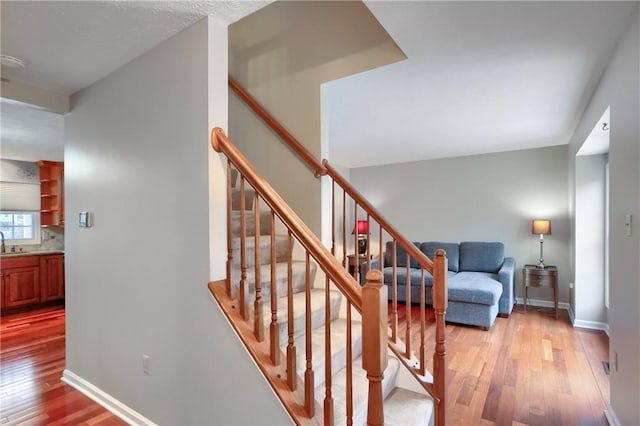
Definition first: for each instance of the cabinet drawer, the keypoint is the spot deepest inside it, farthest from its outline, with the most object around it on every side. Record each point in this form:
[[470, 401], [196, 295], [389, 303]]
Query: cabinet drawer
[[534, 277], [541, 281], [19, 262]]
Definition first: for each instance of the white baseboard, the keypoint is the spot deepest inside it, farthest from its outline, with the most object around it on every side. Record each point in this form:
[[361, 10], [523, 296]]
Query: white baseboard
[[543, 303], [107, 401], [593, 325], [611, 416]]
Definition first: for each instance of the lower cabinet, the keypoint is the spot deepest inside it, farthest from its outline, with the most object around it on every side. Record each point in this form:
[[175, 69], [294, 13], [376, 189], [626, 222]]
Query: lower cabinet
[[31, 280], [51, 278]]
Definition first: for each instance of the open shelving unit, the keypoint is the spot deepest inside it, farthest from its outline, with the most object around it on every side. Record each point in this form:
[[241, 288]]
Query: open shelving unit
[[51, 193]]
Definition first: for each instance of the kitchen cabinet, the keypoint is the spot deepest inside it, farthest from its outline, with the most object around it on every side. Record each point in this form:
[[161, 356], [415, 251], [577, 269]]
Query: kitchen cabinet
[[20, 281], [51, 193], [31, 280], [51, 277]]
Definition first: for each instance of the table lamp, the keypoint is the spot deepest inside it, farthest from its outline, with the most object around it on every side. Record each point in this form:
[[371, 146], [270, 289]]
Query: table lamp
[[362, 230], [541, 227]]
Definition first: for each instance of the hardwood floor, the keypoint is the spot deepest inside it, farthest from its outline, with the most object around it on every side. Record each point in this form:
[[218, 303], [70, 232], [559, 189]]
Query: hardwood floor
[[528, 369], [32, 358]]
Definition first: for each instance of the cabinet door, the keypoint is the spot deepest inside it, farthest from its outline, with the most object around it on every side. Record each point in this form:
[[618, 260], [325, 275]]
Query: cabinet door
[[52, 278], [21, 286]]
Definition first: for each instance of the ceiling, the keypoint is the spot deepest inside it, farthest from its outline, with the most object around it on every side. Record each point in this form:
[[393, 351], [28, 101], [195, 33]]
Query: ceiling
[[480, 76], [68, 45]]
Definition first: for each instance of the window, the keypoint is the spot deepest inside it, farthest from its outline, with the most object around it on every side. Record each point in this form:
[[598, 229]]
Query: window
[[20, 227]]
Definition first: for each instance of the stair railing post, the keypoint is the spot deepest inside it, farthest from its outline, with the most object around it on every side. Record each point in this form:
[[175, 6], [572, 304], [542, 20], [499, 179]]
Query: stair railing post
[[440, 301], [374, 342]]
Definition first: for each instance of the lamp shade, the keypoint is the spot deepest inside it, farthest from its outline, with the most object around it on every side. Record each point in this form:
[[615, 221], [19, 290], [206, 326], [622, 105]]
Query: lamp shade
[[541, 227], [362, 227]]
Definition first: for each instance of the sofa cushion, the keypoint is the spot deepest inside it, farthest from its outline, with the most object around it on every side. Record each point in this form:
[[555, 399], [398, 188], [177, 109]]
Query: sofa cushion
[[453, 254], [416, 276], [401, 255], [481, 256], [401, 276], [474, 287]]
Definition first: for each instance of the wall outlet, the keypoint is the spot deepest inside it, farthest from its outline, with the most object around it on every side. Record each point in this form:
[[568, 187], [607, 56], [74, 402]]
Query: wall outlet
[[627, 224], [146, 359]]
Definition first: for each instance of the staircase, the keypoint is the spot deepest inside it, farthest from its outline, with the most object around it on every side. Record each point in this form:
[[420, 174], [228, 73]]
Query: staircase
[[330, 348], [278, 292]]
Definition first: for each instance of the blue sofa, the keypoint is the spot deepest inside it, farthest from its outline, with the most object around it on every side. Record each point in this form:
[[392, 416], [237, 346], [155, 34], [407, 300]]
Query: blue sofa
[[480, 279]]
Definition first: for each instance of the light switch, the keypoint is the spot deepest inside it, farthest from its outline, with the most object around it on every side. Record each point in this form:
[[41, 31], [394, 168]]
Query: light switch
[[627, 224], [84, 220]]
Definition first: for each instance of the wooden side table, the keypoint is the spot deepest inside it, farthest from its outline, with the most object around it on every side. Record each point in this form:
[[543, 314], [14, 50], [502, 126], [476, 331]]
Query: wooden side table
[[352, 265], [540, 277]]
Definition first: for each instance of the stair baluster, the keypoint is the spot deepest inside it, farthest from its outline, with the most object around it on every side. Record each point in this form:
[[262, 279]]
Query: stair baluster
[[309, 383], [349, 362], [344, 228], [274, 328], [423, 320], [394, 294], [291, 349], [258, 325], [328, 396], [229, 234], [356, 250], [407, 283], [243, 255]]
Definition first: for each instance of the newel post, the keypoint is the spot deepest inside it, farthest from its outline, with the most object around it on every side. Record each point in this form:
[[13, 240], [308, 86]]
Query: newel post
[[374, 342], [440, 301]]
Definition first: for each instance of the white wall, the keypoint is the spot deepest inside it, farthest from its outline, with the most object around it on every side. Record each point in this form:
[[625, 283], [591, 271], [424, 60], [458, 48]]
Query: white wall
[[271, 58], [138, 158], [589, 240], [490, 197], [620, 89]]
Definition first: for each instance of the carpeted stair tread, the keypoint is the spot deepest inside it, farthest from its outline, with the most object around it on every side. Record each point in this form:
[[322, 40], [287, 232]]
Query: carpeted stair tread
[[338, 348], [250, 223], [360, 390], [407, 408], [298, 280], [249, 196], [299, 309], [265, 250]]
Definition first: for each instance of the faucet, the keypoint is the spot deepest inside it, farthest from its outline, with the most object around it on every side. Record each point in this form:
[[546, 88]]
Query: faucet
[[4, 249]]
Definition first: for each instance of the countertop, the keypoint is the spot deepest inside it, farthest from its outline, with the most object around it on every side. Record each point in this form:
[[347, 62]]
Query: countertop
[[31, 253]]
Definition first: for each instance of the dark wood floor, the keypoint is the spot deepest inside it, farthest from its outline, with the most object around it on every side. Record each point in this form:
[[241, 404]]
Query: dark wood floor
[[32, 358], [529, 369]]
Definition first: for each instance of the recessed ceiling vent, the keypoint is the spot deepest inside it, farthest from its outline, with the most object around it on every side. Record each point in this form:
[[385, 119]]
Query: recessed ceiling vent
[[11, 61]]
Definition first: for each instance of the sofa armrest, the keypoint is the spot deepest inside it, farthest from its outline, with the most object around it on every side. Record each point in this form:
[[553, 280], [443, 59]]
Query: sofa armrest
[[506, 276]]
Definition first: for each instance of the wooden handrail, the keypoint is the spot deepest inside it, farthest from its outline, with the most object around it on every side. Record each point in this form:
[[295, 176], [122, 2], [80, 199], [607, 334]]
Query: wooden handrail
[[292, 142], [411, 249], [324, 168], [332, 267]]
